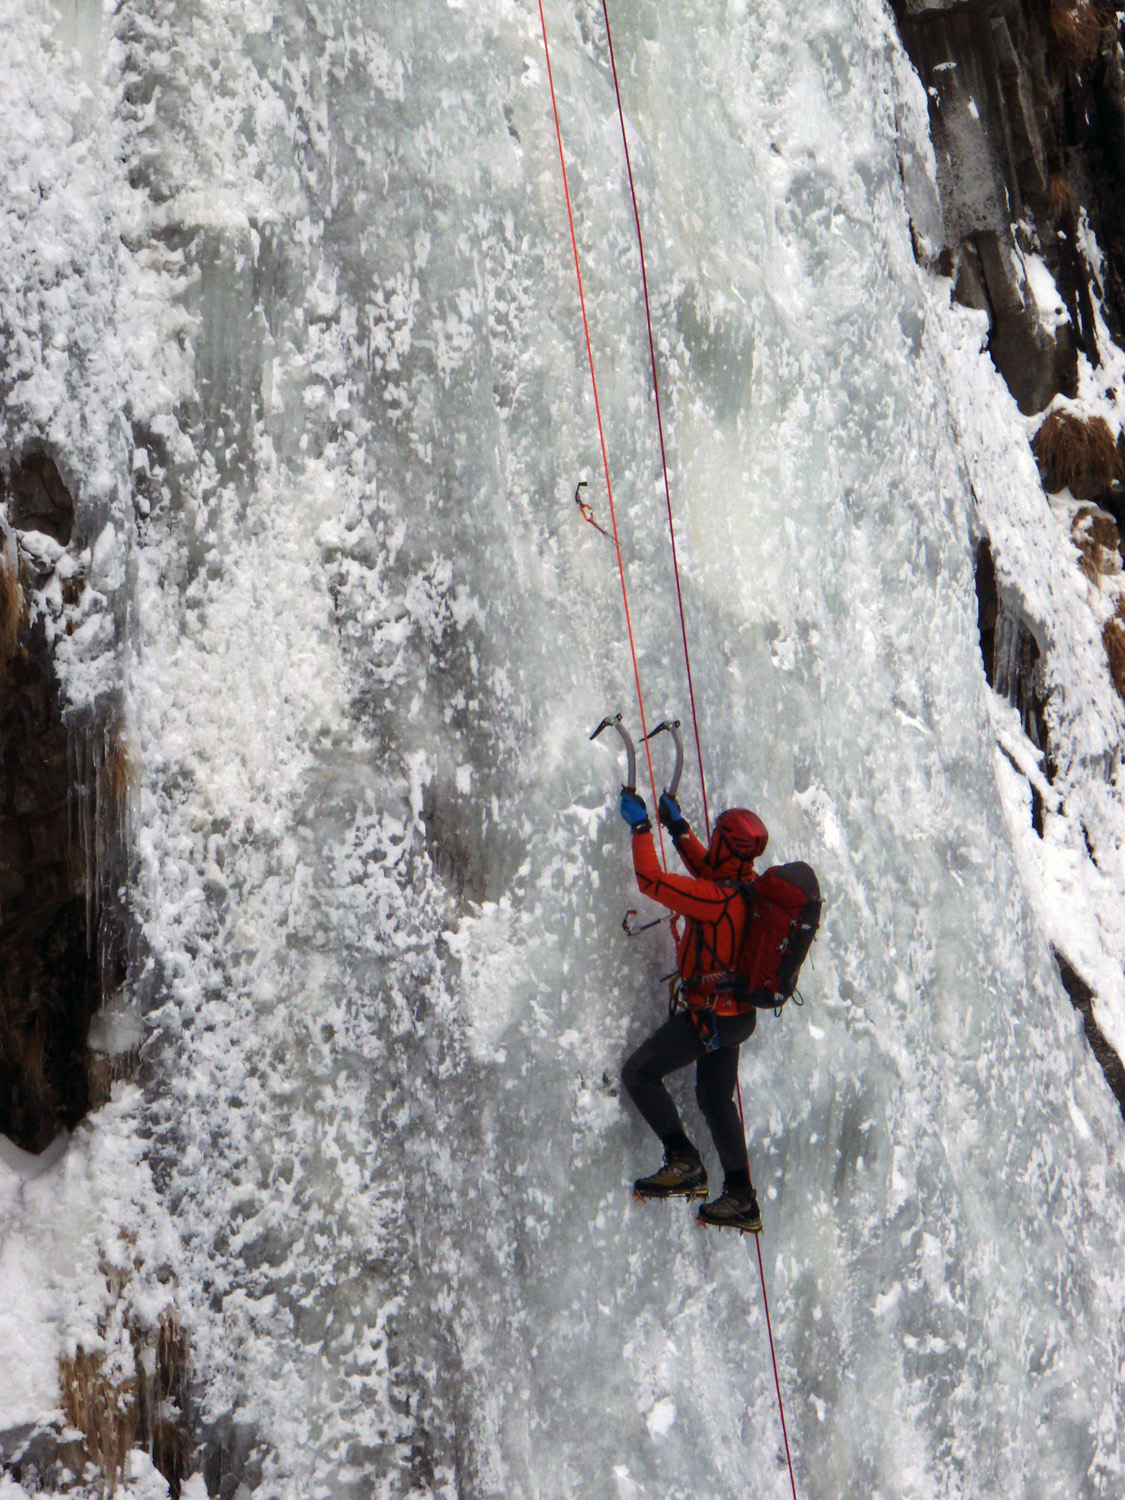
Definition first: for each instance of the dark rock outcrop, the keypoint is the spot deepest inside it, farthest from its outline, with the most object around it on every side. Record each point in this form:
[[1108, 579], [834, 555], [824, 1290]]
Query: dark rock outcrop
[[49, 982], [37, 499], [1082, 998], [1028, 121], [1010, 653]]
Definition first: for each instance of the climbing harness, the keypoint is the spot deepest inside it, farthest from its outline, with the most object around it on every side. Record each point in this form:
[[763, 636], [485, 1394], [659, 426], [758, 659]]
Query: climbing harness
[[587, 513]]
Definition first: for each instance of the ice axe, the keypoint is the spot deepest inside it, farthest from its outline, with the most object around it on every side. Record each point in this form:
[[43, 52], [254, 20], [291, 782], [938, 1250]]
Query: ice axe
[[673, 728], [613, 721]]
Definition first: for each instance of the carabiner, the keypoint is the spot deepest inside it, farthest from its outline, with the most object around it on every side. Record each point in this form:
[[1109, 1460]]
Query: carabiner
[[636, 931], [587, 509]]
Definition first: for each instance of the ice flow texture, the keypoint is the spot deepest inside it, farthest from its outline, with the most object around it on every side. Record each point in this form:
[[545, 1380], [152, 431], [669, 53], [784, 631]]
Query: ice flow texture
[[382, 870]]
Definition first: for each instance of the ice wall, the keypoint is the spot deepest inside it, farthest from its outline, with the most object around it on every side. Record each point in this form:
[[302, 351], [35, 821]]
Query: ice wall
[[380, 874]]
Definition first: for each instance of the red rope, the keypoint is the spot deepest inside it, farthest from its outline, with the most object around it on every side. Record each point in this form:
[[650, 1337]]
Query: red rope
[[769, 1324], [773, 1356], [675, 559], [601, 428], [659, 422]]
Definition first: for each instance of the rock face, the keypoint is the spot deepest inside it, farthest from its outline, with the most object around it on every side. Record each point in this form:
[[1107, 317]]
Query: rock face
[[1011, 657], [38, 500], [49, 985], [1082, 998], [1026, 104], [1027, 118], [1027, 114]]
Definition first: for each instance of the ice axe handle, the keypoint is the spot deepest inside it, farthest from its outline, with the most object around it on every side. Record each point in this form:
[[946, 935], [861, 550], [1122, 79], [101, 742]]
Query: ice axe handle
[[673, 728], [614, 721]]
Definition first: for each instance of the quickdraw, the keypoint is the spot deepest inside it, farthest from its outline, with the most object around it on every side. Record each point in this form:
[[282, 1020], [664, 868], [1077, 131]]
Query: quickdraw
[[588, 510]]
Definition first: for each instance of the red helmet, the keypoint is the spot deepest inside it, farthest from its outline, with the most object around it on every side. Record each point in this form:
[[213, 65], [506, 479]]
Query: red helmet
[[740, 832]]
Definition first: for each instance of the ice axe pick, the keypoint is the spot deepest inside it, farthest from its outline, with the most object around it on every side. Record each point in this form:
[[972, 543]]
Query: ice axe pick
[[613, 721]]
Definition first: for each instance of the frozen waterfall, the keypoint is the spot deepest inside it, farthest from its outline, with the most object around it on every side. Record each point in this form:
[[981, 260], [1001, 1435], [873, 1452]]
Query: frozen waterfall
[[344, 404]]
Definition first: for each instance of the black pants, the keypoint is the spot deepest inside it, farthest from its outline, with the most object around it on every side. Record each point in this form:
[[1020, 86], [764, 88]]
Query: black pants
[[674, 1046]]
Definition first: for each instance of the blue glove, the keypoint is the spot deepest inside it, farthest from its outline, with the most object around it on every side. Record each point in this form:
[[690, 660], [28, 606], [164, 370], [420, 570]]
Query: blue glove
[[669, 810], [671, 816], [634, 811]]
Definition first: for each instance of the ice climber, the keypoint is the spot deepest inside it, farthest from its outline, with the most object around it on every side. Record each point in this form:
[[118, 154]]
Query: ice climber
[[711, 1026]]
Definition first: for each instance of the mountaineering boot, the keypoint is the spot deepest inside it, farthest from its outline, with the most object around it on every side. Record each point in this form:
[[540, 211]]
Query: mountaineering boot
[[683, 1175], [737, 1208]]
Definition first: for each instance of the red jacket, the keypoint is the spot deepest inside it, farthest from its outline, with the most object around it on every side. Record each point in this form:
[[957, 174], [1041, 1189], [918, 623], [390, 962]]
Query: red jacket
[[715, 909]]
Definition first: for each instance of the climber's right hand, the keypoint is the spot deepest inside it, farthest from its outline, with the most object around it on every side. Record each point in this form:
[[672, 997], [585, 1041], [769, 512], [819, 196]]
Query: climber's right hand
[[670, 815]]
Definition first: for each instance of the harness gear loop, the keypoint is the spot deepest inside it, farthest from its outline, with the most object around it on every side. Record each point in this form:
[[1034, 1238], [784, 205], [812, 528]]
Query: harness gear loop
[[676, 999]]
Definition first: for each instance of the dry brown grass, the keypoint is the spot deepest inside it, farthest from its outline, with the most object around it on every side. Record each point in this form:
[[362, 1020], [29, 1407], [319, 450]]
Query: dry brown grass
[[103, 1409], [1114, 637], [1102, 528], [117, 775], [11, 612], [166, 1402], [142, 1406], [1061, 197], [1088, 566], [104, 1069], [1095, 536], [1076, 31], [1076, 453]]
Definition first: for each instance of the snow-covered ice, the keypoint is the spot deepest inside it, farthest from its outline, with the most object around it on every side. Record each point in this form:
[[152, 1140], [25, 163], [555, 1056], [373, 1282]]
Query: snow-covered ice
[[292, 298]]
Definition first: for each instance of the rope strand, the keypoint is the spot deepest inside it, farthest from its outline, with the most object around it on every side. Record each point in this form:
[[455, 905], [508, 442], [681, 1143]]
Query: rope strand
[[601, 429], [659, 422], [675, 560], [769, 1323], [773, 1356]]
